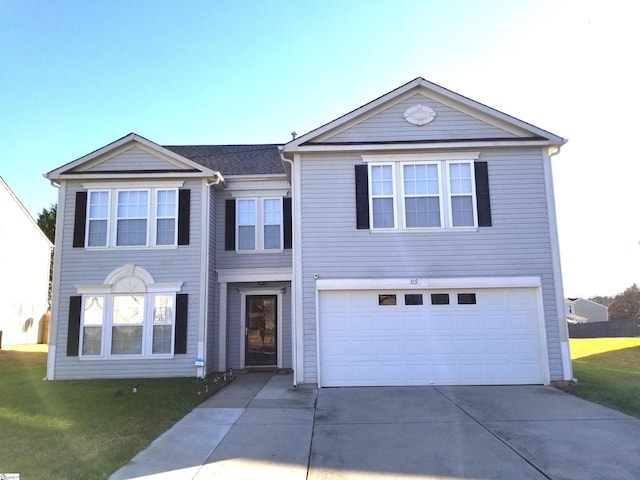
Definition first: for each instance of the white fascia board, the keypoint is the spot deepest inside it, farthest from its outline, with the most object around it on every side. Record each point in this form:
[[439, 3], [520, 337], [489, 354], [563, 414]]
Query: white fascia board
[[131, 184], [128, 175], [420, 157], [345, 147], [238, 275], [123, 144], [426, 283]]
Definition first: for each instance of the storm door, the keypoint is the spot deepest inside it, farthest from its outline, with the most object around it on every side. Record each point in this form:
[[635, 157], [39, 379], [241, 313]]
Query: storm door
[[260, 330]]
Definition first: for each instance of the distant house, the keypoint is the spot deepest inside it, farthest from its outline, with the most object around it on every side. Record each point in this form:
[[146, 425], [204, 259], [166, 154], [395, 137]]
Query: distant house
[[411, 241], [580, 310], [24, 273]]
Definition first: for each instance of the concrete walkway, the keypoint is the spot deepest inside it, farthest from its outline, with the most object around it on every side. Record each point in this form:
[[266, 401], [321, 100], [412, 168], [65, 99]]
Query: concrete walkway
[[260, 427], [257, 420]]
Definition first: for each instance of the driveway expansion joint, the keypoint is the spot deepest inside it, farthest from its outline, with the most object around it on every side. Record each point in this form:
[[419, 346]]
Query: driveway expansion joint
[[494, 434]]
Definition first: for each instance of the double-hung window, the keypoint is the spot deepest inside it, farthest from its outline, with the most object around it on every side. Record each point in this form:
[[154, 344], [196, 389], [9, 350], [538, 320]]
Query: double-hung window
[[132, 217], [382, 196], [98, 218], [461, 194], [422, 199], [132, 214], [429, 191], [272, 223], [93, 321], [259, 224], [166, 217], [247, 219], [128, 320]]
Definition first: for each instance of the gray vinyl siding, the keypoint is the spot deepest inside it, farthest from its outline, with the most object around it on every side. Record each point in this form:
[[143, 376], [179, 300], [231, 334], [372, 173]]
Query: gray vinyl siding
[[389, 125], [83, 266], [234, 335], [518, 243], [213, 292], [226, 259], [592, 311], [132, 159]]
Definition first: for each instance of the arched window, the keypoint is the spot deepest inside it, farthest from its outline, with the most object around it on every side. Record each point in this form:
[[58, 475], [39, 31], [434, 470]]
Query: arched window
[[129, 314]]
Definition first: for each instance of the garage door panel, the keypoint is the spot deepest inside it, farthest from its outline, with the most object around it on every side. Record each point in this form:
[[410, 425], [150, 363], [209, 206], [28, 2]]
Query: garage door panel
[[494, 341]]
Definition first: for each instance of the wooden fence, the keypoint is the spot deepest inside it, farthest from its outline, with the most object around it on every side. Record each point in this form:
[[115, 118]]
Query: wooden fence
[[612, 328]]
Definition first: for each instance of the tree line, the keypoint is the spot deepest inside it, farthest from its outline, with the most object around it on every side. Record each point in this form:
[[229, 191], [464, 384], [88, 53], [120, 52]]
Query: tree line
[[624, 306]]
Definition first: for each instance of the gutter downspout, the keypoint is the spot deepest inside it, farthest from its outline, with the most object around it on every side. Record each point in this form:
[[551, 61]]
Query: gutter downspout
[[55, 282], [294, 269], [201, 359]]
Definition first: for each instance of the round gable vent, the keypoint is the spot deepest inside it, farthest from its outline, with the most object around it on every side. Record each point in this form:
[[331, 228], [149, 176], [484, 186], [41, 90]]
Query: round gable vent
[[419, 114]]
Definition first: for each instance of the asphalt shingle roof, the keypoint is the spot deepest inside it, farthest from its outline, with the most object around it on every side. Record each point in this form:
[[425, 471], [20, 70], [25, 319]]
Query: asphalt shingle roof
[[234, 159]]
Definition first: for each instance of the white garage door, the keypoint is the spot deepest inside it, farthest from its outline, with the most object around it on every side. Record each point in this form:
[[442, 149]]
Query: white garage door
[[459, 337]]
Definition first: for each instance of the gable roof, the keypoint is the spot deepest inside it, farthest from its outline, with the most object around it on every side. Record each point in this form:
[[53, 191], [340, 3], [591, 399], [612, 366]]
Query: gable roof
[[519, 132], [260, 159], [189, 160], [180, 165]]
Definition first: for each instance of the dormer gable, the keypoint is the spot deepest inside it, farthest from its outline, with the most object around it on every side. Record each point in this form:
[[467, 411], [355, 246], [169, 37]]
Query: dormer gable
[[131, 156]]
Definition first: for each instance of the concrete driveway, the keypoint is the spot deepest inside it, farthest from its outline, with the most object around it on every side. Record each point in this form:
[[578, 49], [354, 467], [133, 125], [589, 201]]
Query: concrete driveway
[[259, 427]]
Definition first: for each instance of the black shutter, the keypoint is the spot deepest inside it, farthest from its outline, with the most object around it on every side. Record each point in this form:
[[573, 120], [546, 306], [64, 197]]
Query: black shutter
[[288, 222], [80, 219], [184, 214], [73, 332], [180, 341], [483, 202], [362, 197], [230, 224]]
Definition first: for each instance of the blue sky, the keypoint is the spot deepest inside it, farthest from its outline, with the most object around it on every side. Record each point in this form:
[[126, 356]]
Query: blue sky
[[76, 75]]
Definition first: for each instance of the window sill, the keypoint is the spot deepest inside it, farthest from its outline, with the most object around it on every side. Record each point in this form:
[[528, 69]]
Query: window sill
[[404, 231], [258, 252], [132, 248], [120, 358]]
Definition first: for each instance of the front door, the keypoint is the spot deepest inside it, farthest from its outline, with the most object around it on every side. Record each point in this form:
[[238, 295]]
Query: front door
[[260, 331]]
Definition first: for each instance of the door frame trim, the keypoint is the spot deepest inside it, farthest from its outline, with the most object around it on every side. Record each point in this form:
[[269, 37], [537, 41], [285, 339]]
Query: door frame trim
[[277, 292]]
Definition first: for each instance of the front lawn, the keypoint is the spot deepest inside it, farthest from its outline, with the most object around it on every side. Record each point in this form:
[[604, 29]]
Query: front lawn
[[608, 372], [83, 429]]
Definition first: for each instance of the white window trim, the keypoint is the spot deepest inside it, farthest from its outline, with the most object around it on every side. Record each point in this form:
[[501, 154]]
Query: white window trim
[[151, 218], [128, 280], [116, 218], [88, 218], [259, 225], [153, 228], [107, 328], [394, 196], [255, 225], [397, 161], [441, 195], [474, 203], [261, 216]]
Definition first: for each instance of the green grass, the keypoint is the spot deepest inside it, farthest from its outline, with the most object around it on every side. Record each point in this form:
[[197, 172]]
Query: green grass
[[83, 429], [608, 372]]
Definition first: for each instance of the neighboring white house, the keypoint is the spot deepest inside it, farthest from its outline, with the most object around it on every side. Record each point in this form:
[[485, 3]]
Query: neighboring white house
[[581, 310], [24, 273]]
